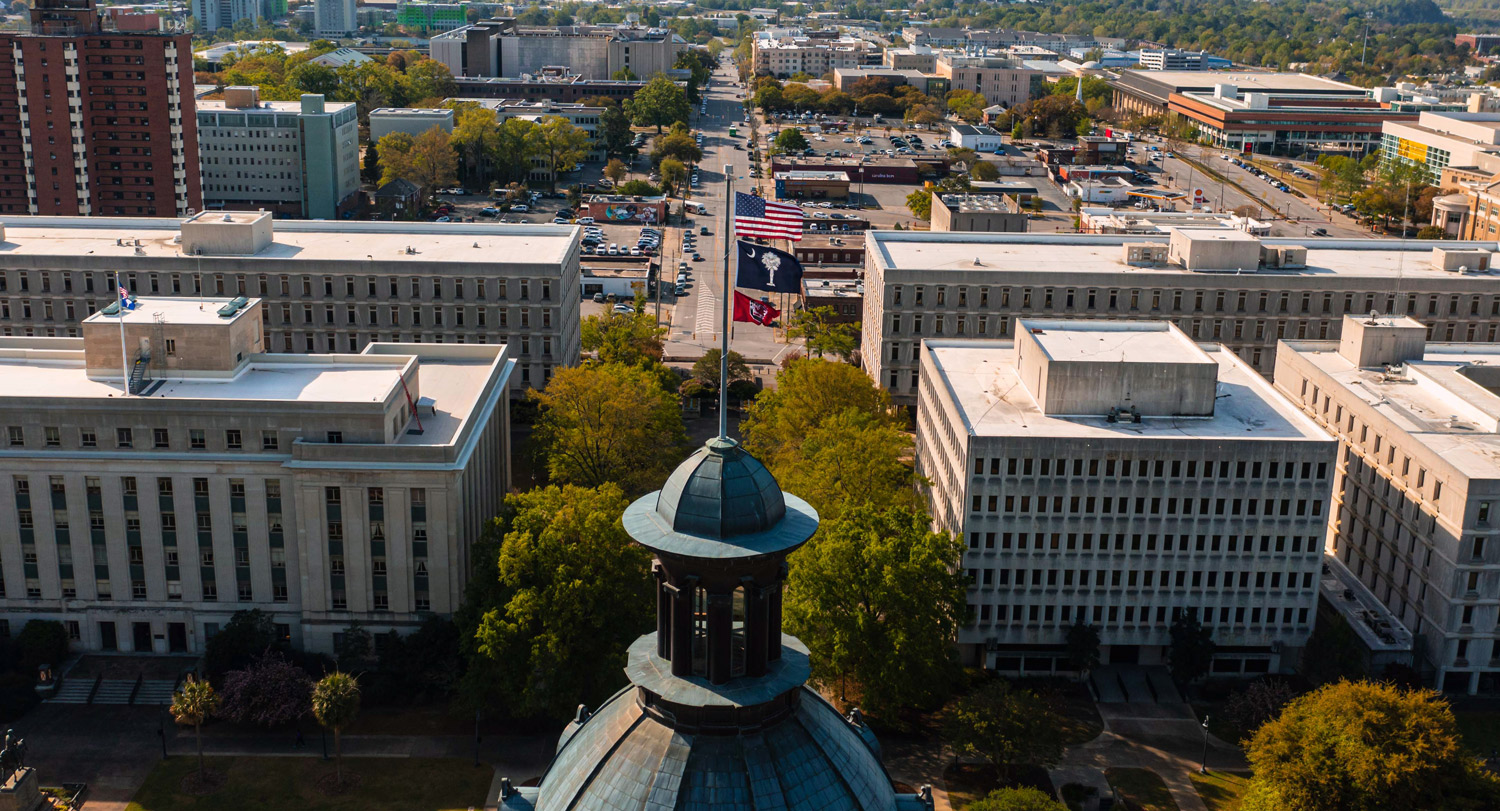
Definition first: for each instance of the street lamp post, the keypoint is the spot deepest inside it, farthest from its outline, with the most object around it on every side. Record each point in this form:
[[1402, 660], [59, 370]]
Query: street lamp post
[[1203, 768]]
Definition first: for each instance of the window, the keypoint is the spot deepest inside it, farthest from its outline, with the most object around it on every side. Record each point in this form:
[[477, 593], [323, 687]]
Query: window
[[53, 436], [197, 440], [87, 438], [335, 437], [17, 436], [268, 441], [232, 439], [160, 438]]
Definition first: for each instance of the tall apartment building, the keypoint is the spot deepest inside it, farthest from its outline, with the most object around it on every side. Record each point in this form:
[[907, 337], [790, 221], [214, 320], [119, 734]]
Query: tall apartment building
[[1417, 483], [1220, 286], [786, 56], [325, 287], [335, 18], [292, 158], [94, 121], [500, 47], [1001, 80], [211, 15], [1118, 474], [324, 490]]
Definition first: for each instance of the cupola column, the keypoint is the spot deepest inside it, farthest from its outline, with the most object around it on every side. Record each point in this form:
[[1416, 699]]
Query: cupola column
[[664, 612], [681, 653], [720, 633], [756, 628]]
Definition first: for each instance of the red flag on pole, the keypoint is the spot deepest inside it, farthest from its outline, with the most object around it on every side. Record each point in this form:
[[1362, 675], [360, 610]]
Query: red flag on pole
[[753, 310]]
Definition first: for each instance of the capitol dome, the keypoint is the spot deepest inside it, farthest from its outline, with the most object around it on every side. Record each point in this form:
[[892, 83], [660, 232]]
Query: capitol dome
[[718, 714]]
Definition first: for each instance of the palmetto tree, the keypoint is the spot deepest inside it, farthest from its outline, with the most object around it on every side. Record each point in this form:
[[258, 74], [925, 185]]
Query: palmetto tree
[[335, 703], [194, 704]]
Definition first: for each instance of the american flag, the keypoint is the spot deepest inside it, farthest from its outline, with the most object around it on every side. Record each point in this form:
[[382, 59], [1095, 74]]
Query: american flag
[[755, 217]]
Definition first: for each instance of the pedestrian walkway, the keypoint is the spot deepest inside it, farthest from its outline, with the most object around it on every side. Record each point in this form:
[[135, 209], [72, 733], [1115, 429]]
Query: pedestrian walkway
[[73, 691]]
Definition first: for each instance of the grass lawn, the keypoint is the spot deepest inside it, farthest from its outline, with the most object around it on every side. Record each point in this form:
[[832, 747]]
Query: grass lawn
[[1221, 791], [1141, 789], [418, 784]]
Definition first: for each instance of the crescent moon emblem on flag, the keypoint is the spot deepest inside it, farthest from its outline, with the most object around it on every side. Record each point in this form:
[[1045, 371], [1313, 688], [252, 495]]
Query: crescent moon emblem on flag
[[750, 253]]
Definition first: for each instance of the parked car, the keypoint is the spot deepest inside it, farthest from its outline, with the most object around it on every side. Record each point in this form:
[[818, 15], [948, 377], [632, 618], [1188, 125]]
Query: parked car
[[490, 210], [585, 220]]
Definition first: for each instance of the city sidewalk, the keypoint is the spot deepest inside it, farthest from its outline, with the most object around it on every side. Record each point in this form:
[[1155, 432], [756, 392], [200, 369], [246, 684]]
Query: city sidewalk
[[1170, 747]]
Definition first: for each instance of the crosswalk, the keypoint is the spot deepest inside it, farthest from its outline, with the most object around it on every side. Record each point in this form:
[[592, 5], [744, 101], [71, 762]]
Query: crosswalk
[[707, 321]]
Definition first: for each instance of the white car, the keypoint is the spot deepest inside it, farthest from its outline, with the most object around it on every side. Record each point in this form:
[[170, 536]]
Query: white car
[[614, 250], [585, 220], [635, 251], [522, 208]]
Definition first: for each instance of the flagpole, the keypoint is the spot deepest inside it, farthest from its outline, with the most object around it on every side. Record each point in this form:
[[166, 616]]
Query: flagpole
[[120, 313], [728, 303]]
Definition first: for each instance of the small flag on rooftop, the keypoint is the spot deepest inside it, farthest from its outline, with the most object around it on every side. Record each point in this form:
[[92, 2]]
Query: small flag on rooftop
[[127, 303]]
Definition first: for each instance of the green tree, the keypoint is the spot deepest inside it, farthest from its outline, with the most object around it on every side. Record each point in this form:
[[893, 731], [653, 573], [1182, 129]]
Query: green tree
[[608, 423], [370, 171], [614, 130], [1191, 651], [248, 635], [573, 592], [659, 103], [807, 393], [770, 98], [790, 140], [1333, 652], [919, 203], [1083, 647], [678, 145], [41, 642], [707, 367], [822, 331], [429, 160], [311, 77], [673, 173], [1355, 745], [1024, 798], [560, 145], [623, 75], [428, 79], [851, 459], [629, 339], [335, 703], [615, 170], [984, 170], [476, 137], [966, 104], [192, 704], [1008, 727], [877, 597]]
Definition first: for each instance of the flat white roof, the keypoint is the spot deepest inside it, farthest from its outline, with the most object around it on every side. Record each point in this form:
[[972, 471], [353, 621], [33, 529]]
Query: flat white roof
[[1123, 342], [345, 241], [454, 384], [1090, 253], [174, 311], [1247, 81], [219, 106], [981, 378], [1425, 409]]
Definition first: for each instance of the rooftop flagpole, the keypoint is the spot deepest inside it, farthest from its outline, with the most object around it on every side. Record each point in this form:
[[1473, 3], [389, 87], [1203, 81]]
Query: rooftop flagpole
[[728, 303], [120, 302]]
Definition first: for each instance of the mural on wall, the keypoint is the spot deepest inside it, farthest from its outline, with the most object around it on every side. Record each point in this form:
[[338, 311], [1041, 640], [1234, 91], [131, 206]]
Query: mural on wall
[[624, 212]]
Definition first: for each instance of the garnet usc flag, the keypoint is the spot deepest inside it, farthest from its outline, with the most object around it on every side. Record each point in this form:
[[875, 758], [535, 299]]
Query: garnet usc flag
[[753, 310]]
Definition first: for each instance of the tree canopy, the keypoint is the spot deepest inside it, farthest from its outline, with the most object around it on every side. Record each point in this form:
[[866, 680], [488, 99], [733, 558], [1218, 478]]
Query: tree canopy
[[1024, 798], [822, 331], [573, 592], [609, 423], [790, 140], [1355, 745], [877, 598], [1006, 726], [808, 391], [428, 161], [660, 103]]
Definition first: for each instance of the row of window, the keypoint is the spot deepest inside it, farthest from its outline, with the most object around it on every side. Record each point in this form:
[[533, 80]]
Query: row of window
[[1086, 507], [441, 289], [1169, 542], [1137, 579], [1111, 617], [1183, 301], [1117, 468], [233, 439]]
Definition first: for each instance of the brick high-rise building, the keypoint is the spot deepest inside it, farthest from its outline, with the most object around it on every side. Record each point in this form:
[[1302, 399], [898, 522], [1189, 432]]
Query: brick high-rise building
[[95, 121]]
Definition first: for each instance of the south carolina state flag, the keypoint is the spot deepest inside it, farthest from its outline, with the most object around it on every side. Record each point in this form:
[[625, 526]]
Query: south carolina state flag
[[753, 310]]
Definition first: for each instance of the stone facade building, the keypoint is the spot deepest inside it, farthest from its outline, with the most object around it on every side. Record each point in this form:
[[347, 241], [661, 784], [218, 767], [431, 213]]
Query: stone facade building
[[1118, 474], [325, 288], [322, 489], [1417, 482], [1218, 286]]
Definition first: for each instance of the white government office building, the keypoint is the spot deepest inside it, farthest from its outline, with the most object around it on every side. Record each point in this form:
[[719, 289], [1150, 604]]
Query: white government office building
[[1417, 483], [324, 287], [1119, 473], [1217, 285], [322, 489]]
